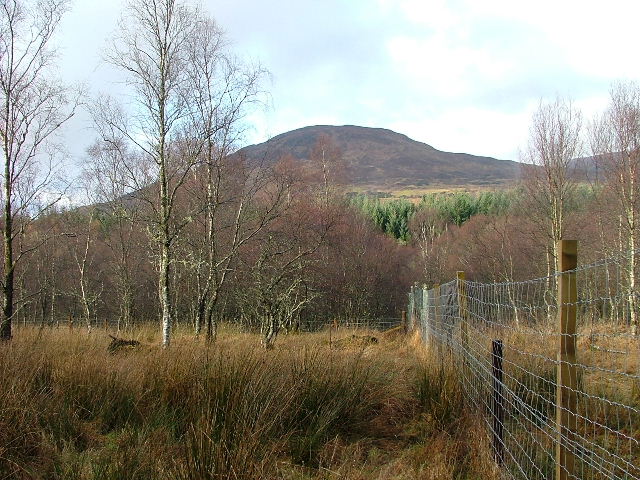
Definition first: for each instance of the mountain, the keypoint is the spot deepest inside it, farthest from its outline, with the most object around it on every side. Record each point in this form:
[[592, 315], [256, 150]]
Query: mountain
[[376, 157]]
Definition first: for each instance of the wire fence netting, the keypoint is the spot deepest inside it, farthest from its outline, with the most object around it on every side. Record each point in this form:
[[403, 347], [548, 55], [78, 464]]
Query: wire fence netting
[[299, 325], [504, 340]]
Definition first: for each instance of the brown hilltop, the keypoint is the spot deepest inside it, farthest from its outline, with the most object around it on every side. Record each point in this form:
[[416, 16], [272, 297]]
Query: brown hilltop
[[384, 158]]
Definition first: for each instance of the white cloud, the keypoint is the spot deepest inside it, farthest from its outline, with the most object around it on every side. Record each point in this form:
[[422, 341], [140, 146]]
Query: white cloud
[[470, 130], [462, 75]]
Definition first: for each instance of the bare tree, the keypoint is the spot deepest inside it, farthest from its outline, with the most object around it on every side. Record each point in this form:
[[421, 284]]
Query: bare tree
[[83, 253], [279, 266], [426, 225], [151, 48], [107, 170], [615, 140], [34, 107], [236, 212], [223, 89], [554, 144], [280, 286], [327, 158]]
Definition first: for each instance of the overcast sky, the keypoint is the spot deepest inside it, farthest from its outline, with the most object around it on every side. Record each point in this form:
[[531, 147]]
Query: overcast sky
[[460, 75]]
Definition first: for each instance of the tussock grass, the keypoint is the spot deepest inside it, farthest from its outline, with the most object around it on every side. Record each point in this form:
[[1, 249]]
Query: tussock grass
[[71, 410]]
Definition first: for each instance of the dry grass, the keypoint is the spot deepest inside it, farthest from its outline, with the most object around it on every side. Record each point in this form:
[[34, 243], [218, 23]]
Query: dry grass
[[415, 193], [70, 410], [607, 400]]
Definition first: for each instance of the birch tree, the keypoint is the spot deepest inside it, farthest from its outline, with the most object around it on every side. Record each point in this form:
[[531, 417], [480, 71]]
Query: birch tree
[[554, 143], [83, 255], [223, 90], [616, 144], [150, 48], [107, 177], [34, 105], [279, 266]]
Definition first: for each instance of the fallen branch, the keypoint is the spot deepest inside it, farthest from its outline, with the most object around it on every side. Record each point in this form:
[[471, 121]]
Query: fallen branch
[[120, 343]]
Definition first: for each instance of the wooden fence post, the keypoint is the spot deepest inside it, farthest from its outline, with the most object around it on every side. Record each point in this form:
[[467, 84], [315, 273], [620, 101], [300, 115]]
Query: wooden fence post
[[462, 306], [497, 404], [412, 309], [424, 316], [331, 325], [403, 316], [567, 381], [417, 307], [437, 320]]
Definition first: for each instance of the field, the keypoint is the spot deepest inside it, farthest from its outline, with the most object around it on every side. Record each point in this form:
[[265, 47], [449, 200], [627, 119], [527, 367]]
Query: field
[[309, 409], [414, 194]]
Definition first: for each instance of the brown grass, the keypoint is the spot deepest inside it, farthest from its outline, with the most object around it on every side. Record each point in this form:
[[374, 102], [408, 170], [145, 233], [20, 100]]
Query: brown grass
[[607, 403], [414, 194], [71, 410]]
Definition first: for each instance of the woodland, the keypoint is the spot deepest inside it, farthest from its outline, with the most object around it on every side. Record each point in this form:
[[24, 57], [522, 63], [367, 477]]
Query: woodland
[[230, 285], [178, 228]]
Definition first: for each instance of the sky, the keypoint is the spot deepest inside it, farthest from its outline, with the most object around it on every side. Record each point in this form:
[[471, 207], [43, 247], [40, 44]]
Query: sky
[[460, 75]]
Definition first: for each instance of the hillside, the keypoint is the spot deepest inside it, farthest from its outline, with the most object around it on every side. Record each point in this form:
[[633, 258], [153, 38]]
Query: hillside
[[376, 157]]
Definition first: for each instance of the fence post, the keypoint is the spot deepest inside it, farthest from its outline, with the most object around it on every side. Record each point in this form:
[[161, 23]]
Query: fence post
[[566, 399], [331, 325], [462, 310], [497, 404], [437, 319], [409, 307], [424, 317], [419, 302], [405, 328], [412, 309]]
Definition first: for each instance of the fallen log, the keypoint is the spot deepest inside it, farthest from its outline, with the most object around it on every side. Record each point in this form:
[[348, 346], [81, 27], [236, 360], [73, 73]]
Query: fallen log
[[120, 343]]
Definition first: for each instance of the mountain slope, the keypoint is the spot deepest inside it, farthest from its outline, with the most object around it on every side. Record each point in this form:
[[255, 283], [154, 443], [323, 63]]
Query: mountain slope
[[383, 158]]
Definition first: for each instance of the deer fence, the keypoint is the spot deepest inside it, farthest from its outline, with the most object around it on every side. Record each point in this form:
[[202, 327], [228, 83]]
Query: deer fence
[[551, 364]]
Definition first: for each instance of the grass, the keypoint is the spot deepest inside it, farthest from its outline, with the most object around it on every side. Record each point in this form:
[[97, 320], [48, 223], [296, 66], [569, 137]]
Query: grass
[[607, 405], [70, 410], [414, 193]]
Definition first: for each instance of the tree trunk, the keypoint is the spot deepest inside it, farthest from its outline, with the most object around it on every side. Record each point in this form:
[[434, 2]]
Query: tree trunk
[[632, 286], [212, 327], [200, 320], [7, 289], [631, 219], [85, 301], [165, 298], [273, 327]]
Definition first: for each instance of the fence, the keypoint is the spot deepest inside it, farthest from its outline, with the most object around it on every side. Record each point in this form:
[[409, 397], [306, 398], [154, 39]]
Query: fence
[[368, 323], [551, 365], [304, 325]]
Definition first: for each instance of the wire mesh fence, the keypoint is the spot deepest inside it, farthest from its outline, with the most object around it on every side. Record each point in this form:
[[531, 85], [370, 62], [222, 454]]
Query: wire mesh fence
[[557, 402], [366, 323], [301, 325]]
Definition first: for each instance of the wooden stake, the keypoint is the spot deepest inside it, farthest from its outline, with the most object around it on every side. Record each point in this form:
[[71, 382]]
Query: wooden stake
[[567, 381], [415, 318], [412, 307], [424, 316], [462, 305], [405, 327], [437, 320], [497, 404]]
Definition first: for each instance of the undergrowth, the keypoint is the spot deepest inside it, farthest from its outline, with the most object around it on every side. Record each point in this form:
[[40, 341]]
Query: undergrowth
[[71, 410]]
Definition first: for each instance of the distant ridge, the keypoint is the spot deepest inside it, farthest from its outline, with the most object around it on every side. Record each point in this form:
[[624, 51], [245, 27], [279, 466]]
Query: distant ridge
[[383, 158]]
